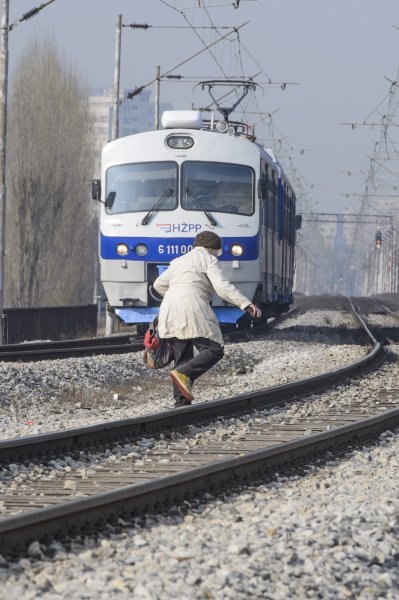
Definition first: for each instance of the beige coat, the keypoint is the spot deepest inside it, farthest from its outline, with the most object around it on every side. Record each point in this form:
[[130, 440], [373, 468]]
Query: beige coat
[[187, 286]]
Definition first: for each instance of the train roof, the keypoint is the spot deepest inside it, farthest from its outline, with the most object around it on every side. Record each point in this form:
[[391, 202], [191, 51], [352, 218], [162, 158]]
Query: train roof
[[192, 119]]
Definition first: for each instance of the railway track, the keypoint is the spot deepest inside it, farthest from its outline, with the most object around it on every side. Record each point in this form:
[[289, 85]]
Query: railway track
[[33, 351], [170, 466], [49, 350]]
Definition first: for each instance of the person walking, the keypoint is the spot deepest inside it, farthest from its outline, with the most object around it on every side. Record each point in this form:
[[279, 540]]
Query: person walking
[[186, 317]]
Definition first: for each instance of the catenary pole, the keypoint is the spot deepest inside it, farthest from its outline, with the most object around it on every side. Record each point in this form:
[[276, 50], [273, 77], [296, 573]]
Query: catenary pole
[[3, 138], [157, 94], [109, 319], [117, 78]]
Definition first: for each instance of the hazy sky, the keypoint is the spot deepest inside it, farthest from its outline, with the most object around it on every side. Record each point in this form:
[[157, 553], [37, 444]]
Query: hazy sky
[[338, 51]]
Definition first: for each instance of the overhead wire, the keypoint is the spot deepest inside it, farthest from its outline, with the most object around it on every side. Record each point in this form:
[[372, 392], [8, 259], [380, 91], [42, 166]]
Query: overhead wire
[[277, 139], [142, 87], [182, 13]]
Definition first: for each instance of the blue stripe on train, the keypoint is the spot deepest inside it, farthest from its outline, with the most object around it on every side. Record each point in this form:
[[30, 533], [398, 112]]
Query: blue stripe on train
[[143, 314], [166, 249]]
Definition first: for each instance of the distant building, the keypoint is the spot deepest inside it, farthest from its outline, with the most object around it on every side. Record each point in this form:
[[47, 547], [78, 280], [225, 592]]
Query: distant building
[[100, 103], [135, 115]]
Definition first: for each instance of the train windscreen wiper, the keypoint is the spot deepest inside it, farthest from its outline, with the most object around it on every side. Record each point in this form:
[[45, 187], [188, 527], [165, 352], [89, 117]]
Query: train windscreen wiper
[[198, 205], [169, 192]]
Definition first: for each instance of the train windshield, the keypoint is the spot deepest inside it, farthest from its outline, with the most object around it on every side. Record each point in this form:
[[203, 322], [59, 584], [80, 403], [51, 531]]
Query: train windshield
[[138, 187], [218, 187]]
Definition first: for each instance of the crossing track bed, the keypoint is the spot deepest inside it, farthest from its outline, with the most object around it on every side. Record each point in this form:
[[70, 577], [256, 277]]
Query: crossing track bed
[[111, 432], [195, 479], [82, 347]]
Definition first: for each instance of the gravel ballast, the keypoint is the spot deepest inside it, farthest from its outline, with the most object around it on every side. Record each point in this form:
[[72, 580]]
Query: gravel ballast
[[52, 395], [331, 533]]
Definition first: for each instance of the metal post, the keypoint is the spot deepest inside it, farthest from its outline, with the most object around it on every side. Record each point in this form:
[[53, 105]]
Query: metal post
[[157, 93], [396, 250], [117, 77], [3, 139], [109, 319]]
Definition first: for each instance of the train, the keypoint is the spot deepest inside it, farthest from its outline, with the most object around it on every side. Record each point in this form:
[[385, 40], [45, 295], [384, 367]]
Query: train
[[159, 188]]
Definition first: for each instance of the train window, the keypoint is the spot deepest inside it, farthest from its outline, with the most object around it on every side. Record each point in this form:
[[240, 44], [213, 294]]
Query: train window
[[286, 212], [270, 203], [264, 186], [276, 208], [218, 187], [139, 187]]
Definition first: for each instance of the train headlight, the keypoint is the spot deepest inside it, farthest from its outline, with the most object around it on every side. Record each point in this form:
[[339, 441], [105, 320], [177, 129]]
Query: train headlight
[[141, 249], [180, 142], [236, 250], [222, 126], [122, 249]]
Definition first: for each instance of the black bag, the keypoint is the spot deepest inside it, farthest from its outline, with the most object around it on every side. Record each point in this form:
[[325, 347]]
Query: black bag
[[158, 353]]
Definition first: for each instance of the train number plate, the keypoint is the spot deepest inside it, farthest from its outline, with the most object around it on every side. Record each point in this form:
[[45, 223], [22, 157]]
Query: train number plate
[[174, 249]]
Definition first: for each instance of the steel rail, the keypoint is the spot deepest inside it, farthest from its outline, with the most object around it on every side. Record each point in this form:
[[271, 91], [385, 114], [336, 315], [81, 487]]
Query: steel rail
[[362, 322], [66, 440], [390, 312], [65, 348], [383, 334], [131, 500], [42, 523], [32, 351]]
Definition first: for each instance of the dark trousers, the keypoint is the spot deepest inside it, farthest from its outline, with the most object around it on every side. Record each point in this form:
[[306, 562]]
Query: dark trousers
[[209, 353]]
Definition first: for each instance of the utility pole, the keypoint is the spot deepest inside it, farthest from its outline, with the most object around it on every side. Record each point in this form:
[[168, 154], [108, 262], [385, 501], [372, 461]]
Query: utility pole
[[5, 29], [157, 94], [3, 138], [117, 78]]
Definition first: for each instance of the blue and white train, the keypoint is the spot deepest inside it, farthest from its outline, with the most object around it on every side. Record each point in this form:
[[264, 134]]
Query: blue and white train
[[160, 188]]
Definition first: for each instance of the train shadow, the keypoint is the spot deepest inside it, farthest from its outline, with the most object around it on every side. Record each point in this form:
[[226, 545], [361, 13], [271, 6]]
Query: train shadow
[[333, 336], [391, 334]]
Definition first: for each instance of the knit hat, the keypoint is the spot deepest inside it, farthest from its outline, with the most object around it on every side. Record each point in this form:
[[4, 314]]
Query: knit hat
[[208, 239]]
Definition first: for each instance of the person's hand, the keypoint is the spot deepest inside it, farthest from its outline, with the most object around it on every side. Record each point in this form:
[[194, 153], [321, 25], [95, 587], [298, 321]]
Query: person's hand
[[254, 311]]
